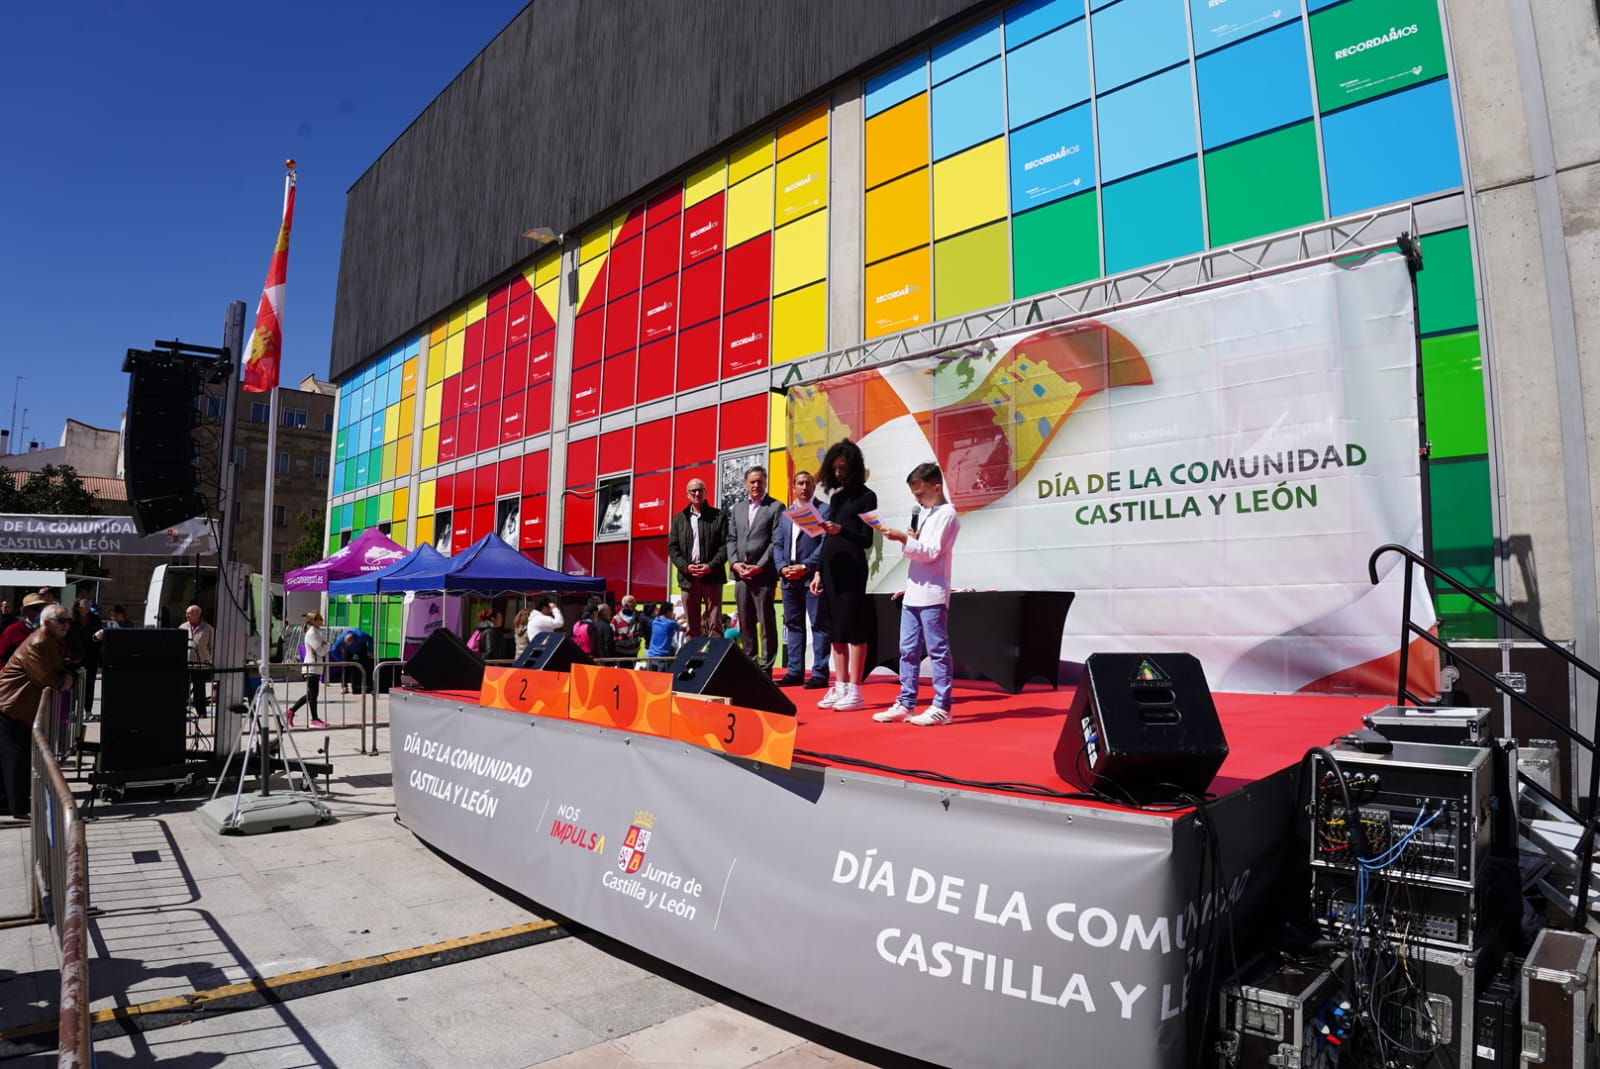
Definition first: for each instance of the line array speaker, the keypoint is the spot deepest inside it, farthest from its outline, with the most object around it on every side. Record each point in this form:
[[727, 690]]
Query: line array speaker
[[159, 449]]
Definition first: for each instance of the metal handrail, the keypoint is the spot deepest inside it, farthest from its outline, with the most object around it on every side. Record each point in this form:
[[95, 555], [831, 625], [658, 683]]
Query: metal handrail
[[1583, 854], [61, 882]]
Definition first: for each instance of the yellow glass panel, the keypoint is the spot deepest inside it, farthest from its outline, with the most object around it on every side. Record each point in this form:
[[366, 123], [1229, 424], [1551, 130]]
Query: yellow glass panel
[[436, 335], [529, 274], [897, 140], [617, 225], [588, 271], [402, 457], [803, 132], [455, 347], [800, 252], [402, 498], [425, 492], [408, 415], [744, 162], [707, 182], [477, 308], [397, 531], [432, 401], [388, 462], [391, 423], [433, 357], [458, 320], [802, 183], [408, 377], [424, 530], [895, 293], [546, 269], [430, 446], [750, 208], [897, 216], [548, 295], [800, 323], [969, 189], [594, 243]]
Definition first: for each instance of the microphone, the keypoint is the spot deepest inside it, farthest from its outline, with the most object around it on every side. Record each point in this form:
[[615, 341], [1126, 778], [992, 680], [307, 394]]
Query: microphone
[[916, 515]]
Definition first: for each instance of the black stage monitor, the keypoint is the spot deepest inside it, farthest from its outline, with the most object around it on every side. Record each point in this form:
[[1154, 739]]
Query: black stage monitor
[[552, 651], [1141, 722], [718, 668], [443, 662]]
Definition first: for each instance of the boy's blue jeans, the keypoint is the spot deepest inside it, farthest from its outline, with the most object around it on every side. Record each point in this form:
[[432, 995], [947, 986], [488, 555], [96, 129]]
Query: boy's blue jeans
[[926, 629]]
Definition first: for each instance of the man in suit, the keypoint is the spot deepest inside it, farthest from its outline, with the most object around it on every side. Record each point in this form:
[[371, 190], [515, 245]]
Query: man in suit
[[697, 545], [796, 556], [752, 526]]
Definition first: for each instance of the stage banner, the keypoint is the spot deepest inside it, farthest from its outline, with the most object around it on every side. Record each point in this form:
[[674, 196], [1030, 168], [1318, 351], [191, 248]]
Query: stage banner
[[1209, 473], [102, 536], [956, 926]]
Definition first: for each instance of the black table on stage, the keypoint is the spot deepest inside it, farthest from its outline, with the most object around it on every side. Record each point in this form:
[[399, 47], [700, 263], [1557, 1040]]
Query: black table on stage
[[1006, 636]]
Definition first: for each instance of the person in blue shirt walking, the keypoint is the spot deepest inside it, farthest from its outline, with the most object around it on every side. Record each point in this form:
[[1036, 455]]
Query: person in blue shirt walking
[[663, 638], [355, 647]]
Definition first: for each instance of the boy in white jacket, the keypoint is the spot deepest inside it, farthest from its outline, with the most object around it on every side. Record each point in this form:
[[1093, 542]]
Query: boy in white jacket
[[925, 606]]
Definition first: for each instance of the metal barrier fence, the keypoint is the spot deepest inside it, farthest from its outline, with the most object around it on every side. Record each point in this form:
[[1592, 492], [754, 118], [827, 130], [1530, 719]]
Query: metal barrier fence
[[61, 880]]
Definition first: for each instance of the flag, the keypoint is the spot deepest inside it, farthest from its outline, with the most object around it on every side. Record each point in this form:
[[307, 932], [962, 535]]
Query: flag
[[265, 347]]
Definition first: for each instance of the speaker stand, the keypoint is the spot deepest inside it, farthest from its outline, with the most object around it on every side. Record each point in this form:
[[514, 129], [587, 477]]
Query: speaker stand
[[264, 811]]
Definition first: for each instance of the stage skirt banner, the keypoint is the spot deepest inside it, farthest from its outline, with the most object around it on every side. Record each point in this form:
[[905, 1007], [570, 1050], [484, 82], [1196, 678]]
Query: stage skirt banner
[[1210, 473], [964, 928], [103, 536]]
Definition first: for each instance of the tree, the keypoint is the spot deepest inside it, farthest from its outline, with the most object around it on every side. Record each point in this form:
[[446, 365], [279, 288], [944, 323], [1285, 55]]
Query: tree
[[54, 490], [308, 549]]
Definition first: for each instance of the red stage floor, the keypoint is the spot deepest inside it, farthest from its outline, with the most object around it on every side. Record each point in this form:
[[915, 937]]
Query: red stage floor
[[1011, 738]]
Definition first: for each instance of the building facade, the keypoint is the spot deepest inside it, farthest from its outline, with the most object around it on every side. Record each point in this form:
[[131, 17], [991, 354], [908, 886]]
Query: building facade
[[944, 167], [300, 471]]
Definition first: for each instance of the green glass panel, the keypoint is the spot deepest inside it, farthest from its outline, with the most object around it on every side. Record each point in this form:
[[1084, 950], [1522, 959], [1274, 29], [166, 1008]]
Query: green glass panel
[[1452, 393], [366, 615], [385, 507], [1460, 617], [338, 611], [1056, 245], [349, 480], [1264, 185], [970, 271], [333, 544], [1447, 299], [1463, 526], [1366, 48], [341, 443]]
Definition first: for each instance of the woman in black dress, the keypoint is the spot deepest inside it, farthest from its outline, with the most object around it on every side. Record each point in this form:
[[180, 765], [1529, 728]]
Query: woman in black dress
[[842, 579]]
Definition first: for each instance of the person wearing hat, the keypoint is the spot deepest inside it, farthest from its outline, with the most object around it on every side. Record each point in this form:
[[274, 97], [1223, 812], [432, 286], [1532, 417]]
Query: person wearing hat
[[17, 633], [39, 662]]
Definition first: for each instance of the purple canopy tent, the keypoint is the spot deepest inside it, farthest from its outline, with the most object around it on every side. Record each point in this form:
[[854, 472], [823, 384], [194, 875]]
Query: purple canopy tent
[[369, 551]]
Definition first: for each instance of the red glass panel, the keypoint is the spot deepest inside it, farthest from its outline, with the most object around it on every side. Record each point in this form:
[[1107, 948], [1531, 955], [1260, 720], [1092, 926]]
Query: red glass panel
[[450, 402], [581, 461], [473, 353], [616, 383], [533, 521], [536, 472], [577, 558], [519, 321], [611, 563], [745, 341], [447, 439], [616, 451], [514, 369], [652, 446], [663, 249], [541, 357], [658, 310], [490, 386], [749, 273], [702, 229], [488, 426], [536, 413], [700, 295], [507, 478], [652, 503], [511, 412], [588, 338], [471, 380], [656, 367], [497, 300], [663, 206], [744, 423], [585, 393], [699, 355], [622, 270], [696, 436], [577, 521], [649, 580], [622, 324], [494, 332]]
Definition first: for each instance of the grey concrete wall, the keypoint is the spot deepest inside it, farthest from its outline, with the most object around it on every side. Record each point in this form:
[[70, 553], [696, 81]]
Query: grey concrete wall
[[1527, 74]]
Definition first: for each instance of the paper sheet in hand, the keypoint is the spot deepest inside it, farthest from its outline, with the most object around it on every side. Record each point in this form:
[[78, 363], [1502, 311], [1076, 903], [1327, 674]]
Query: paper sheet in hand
[[805, 516], [871, 518]]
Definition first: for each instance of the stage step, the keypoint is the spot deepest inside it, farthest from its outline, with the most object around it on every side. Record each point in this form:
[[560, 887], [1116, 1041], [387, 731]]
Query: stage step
[[1558, 840]]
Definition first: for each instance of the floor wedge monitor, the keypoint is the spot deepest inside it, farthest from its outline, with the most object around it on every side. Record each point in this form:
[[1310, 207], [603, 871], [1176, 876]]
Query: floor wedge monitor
[[718, 668], [552, 651], [443, 662], [1141, 724]]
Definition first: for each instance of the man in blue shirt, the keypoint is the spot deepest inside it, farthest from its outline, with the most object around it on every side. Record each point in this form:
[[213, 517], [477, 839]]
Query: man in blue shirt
[[355, 646]]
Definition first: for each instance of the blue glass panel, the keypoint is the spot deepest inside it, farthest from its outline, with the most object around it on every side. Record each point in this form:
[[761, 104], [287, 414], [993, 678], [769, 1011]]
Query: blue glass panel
[[1259, 84], [396, 373], [1391, 149], [1216, 22], [361, 470], [968, 110], [1047, 75], [966, 50], [414, 347], [376, 441], [1153, 217], [1052, 159], [1134, 37], [1026, 21], [900, 83], [1147, 124], [1317, 5]]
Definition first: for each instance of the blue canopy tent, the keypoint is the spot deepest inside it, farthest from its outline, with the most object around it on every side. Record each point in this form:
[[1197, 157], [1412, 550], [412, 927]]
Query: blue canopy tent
[[488, 566]]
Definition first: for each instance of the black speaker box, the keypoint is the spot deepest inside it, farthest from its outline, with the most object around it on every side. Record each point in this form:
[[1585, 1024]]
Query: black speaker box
[[718, 668], [1141, 724], [161, 478], [144, 647], [552, 651], [144, 694], [443, 662]]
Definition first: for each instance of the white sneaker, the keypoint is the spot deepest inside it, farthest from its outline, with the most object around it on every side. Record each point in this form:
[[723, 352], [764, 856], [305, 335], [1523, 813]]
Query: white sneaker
[[932, 718], [893, 715], [850, 700], [830, 699]]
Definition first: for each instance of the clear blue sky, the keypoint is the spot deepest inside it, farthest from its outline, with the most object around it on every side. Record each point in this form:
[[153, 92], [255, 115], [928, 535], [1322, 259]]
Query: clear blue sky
[[142, 173]]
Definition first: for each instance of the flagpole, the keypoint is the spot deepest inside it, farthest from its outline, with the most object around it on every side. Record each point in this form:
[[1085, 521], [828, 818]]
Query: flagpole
[[272, 467]]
